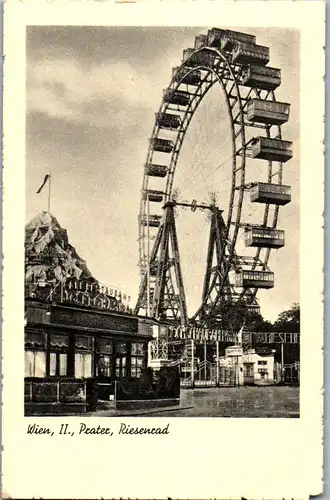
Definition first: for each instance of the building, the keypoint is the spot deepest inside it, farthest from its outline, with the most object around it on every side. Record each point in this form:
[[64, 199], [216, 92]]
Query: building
[[83, 345], [253, 367], [70, 340]]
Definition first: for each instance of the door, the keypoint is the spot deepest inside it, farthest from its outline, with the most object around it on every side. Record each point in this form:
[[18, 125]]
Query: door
[[248, 373]]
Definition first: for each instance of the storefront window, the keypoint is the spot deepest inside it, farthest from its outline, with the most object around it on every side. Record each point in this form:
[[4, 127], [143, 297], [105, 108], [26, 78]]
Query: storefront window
[[137, 359], [35, 354], [137, 349], [58, 364], [136, 366], [121, 366], [121, 348], [83, 359], [104, 357], [35, 363], [84, 342], [121, 359], [104, 365], [83, 365], [58, 358], [52, 363]]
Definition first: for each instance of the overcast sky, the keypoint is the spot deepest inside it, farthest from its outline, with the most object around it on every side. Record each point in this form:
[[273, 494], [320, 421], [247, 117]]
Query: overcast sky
[[91, 97]]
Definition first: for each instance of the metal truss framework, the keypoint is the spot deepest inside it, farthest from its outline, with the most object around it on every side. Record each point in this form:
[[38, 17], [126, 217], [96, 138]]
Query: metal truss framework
[[161, 291]]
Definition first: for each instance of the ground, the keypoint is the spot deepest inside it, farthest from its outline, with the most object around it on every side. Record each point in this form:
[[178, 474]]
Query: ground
[[238, 402], [244, 402]]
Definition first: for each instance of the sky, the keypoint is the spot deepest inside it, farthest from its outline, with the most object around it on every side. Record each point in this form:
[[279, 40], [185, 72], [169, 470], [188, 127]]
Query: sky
[[91, 97]]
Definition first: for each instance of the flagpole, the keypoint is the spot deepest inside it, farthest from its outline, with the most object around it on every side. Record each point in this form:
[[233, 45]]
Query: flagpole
[[49, 190]]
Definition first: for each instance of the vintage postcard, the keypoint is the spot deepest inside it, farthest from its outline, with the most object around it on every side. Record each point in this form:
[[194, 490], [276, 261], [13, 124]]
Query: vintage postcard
[[163, 249]]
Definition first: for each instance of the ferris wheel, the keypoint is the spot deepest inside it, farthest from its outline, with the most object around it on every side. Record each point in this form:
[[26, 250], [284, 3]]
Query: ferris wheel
[[234, 63]]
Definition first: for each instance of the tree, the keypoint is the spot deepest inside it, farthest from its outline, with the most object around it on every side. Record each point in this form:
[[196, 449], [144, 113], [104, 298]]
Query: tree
[[236, 314], [289, 320]]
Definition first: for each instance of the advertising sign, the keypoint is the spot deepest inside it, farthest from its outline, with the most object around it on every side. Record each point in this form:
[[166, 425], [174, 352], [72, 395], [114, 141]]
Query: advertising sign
[[234, 350]]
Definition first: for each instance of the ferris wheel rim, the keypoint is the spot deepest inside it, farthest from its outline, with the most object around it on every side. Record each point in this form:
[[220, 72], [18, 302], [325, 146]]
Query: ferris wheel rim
[[173, 163]]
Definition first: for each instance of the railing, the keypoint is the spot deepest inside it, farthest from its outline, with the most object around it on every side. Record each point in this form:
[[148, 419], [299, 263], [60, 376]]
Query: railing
[[204, 375], [55, 391], [159, 349]]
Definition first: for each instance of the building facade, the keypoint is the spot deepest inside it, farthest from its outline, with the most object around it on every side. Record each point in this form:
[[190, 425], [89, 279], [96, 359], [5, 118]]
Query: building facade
[[80, 342], [253, 367]]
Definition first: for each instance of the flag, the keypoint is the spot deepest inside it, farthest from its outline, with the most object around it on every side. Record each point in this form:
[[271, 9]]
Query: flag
[[43, 184]]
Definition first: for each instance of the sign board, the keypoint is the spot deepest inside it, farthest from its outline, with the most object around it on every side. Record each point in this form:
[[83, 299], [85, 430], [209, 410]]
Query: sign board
[[234, 350], [201, 334], [94, 320], [211, 335]]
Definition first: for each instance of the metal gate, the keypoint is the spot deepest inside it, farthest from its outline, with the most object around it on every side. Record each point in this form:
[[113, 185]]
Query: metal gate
[[205, 375]]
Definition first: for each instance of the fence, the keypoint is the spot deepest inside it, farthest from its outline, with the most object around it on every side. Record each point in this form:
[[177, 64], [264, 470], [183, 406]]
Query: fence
[[55, 396], [65, 396], [206, 376]]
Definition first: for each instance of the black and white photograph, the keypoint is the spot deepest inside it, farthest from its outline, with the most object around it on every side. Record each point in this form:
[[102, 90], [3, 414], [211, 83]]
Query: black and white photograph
[[162, 211]]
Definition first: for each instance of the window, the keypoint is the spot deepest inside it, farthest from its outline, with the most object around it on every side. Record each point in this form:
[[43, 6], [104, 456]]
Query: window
[[35, 363], [137, 358], [262, 362], [263, 372], [83, 342], [58, 363], [83, 358], [104, 363], [83, 365], [35, 354], [121, 348], [121, 367], [121, 359], [104, 366], [58, 358], [137, 349]]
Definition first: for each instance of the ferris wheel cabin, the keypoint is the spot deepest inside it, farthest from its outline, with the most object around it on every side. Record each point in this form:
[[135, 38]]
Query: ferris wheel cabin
[[162, 145], [264, 237], [269, 112], [151, 220], [226, 39], [262, 77], [214, 37], [274, 194], [201, 58], [248, 53], [153, 195], [179, 97], [265, 148], [191, 78], [230, 38], [156, 170], [250, 279], [168, 121], [200, 41]]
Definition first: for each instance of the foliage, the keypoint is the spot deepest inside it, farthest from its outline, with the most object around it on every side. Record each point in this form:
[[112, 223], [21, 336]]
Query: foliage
[[289, 320], [233, 316]]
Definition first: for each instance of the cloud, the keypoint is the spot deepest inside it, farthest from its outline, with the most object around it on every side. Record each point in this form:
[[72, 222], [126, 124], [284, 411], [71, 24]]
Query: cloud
[[63, 88]]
